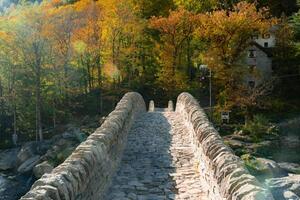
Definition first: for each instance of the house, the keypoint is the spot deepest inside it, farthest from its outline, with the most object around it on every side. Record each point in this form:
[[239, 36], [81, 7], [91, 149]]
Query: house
[[259, 58]]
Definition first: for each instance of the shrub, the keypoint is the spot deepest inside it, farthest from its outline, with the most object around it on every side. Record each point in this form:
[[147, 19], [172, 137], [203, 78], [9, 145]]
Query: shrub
[[259, 127]]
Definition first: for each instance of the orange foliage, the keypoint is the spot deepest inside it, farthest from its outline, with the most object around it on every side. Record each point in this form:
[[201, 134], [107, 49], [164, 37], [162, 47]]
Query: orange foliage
[[175, 30]]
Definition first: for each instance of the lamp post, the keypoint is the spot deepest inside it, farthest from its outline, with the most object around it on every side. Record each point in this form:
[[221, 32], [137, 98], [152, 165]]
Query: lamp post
[[210, 89]]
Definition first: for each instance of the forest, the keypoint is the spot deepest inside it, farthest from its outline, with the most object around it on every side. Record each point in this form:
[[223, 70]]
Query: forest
[[61, 60]]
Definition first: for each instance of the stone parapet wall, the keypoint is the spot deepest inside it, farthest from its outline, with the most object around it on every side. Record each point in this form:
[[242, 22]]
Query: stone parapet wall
[[87, 172], [223, 173]]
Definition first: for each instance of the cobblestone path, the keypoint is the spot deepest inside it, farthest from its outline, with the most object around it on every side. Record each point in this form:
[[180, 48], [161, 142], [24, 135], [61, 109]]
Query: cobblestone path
[[158, 162]]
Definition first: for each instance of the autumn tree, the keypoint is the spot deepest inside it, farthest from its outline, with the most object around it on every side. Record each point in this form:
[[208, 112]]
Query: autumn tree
[[146, 9], [29, 42], [90, 34], [9, 73], [198, 6], [64, 22], [228, 34], [175, 32]]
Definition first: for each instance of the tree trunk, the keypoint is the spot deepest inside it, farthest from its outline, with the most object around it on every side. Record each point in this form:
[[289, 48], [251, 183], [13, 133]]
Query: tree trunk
[[89, 75], [174, 61], [189, 63], [66, 85], [38, 59], [38, 104], [13, 99], [1, 99], [54, 115], [113, 50], [99, 73], [15, 119], [65, 66]]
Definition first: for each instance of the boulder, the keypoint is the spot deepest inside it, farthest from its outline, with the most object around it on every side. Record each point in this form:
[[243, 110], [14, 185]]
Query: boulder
[[267, 164], [290, 167], [74, 133], [80, 136], [44, 146], [56, 138], [270, 167], [290, 195], [28, 164], [262, 148], [239, 135], [102, 120], [280, 186], [263, 168], [67, 135], [290, 142], [40, 169], [234, 144], [28, 150], [8, 158]]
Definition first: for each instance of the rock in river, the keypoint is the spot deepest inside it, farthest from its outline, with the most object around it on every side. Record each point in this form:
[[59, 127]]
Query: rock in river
[[285, 186], [290, 167], [27, 151], [8, 158], [28, 164], [42, 168]]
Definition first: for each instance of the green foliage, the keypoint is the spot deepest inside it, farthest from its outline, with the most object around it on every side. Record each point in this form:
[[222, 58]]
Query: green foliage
[[254, 166], [81, 137], [147, 9], [277, 8], [5, 144], [277, 105], [250, 161], [60, 157], [198, 6], [295, 22], [259, 127]]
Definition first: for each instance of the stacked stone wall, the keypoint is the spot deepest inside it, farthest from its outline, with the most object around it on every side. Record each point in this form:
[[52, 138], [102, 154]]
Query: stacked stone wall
[[222, 172], [87, 172]]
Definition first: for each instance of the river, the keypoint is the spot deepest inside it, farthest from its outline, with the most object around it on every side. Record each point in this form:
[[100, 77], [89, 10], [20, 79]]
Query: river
[[12, 187]]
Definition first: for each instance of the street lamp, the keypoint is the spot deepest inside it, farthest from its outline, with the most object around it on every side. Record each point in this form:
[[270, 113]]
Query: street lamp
[[210, 87]]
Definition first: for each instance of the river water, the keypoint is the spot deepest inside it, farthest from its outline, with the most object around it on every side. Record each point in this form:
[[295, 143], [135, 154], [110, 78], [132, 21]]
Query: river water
[[289, 142], [12, 187]]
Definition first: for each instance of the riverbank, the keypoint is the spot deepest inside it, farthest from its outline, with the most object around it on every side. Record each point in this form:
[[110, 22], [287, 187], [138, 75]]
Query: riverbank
[[275, 160], [12, 186], [21, 166]]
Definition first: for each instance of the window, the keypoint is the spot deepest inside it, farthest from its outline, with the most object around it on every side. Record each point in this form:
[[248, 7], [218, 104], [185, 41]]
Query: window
[[266, 44], [251, 84], [252, 54], [266, 36]]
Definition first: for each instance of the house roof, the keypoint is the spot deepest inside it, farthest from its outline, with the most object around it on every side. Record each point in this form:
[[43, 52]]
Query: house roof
[[268, 51], [274, 28]]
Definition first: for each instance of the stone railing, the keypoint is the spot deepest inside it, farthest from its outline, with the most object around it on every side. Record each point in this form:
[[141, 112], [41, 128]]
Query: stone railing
[[151, 106], [223, 173], [87, 172]]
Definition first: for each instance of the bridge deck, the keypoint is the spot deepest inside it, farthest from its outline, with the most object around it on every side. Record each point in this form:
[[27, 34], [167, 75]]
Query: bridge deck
[[158, 162]]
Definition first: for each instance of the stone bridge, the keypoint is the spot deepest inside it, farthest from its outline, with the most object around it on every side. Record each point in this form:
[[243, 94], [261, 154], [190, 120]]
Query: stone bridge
[[155, 155]]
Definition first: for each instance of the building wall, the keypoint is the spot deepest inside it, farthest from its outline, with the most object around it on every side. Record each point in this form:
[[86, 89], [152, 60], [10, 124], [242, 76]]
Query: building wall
[[271, 41], [263, 65]]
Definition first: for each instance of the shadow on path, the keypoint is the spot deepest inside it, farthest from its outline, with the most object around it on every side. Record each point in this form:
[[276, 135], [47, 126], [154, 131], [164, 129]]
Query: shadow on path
[[157, 163]]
